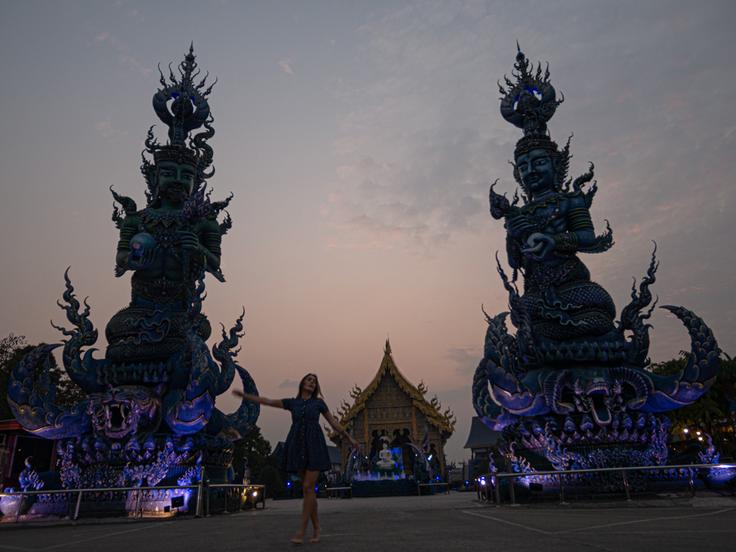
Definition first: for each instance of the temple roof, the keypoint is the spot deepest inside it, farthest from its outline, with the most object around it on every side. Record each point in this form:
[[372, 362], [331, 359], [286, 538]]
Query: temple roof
[[443, 421], [481, 436]]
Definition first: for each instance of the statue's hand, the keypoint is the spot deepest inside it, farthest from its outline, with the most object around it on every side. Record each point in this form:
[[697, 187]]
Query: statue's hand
[[538, 246], [142, 261], [518, 225], [188, 240], [142, 251]]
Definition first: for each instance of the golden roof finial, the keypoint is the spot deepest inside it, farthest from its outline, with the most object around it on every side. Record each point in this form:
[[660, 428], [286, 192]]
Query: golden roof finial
[[387, 349]]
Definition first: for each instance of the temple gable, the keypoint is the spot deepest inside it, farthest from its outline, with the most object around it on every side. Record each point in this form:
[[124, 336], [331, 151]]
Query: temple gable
[[392, 413]]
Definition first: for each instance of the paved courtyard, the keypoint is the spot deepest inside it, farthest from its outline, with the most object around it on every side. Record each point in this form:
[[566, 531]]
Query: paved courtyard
[[442, 522]]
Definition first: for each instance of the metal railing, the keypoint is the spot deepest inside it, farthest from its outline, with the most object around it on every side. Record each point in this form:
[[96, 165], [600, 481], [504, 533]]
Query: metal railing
[[437, 484], [255, 493], [496, 478], [334, 491]]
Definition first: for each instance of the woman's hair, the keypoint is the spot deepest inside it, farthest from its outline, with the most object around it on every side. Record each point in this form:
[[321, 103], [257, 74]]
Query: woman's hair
[[317, 394]]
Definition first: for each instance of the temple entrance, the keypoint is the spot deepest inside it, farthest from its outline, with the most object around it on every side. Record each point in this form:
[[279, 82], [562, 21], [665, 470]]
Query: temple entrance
[[401, 433]]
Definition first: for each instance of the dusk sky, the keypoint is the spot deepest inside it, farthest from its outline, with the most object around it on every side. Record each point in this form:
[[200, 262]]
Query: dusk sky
[[359, 139]]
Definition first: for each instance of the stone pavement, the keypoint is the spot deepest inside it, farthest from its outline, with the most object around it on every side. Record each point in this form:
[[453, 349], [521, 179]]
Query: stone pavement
[[441, 522]]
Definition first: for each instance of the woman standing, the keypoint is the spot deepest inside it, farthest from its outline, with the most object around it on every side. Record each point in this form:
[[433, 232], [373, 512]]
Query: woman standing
[[305, 451]]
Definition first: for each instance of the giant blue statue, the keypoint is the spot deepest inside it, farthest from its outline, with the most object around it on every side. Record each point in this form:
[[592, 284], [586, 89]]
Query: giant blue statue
[[149, 417], [572, 387]]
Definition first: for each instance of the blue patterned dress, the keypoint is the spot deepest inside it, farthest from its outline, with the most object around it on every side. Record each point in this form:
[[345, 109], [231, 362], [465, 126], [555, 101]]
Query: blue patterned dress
[[305, 447]]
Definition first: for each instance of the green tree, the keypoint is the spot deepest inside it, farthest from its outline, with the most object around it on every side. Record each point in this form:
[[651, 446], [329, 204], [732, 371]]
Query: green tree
[[271, 477], [12, 350], [9, 347], [714, 412], [264, 469], [254, 450]]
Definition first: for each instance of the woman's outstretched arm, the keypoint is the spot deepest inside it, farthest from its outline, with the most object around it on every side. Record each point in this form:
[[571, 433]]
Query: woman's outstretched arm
[[341, 430], [276, 403]]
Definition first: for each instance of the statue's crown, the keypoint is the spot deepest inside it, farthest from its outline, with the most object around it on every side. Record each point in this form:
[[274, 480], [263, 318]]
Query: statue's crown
[[529, 103], [182, 105], [177, 154]]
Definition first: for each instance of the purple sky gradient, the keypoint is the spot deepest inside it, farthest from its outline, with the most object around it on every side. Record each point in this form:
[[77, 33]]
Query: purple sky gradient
[[360, 139]]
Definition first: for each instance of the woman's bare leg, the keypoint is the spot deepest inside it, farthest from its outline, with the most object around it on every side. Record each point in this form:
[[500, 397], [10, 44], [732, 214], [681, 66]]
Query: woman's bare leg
[[298, 538], [309, 504], [315, 516]]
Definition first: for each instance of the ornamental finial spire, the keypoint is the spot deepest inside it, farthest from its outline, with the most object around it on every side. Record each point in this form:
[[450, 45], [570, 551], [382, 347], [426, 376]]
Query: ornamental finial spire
[[531, 101]]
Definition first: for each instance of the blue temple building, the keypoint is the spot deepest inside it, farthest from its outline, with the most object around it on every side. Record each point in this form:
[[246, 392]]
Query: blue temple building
[[402, 434]]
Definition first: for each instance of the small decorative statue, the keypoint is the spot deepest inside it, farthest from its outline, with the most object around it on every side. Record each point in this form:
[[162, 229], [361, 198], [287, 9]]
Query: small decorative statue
[[572, 388], [385, 460]]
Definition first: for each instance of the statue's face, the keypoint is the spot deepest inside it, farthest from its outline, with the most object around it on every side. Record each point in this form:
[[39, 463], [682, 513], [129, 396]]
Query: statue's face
[[536, 170], [122, 411], [175, 181]]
